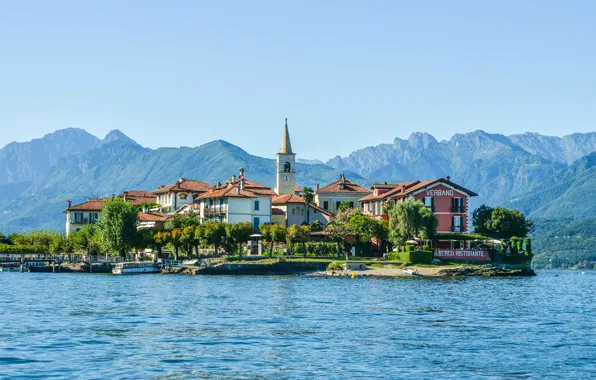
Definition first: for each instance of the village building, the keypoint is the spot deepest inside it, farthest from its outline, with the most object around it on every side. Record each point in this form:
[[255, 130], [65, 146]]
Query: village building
[[330, 197], [448, 201], [183, 192], [77, 216], [293, 209], [237, 200]]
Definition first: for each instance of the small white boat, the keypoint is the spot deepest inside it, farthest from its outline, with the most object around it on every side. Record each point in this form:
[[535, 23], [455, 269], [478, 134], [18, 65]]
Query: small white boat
[[411, 272], [137, 267]]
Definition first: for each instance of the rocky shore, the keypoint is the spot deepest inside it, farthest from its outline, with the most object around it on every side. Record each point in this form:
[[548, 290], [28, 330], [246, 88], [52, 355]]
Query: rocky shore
[[424, 271]]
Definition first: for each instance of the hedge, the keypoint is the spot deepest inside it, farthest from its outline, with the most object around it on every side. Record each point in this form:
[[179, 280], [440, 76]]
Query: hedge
[[7, 248], [414, 257]]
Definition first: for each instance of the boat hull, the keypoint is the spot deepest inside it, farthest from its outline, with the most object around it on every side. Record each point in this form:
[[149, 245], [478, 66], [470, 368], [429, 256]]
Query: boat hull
[[136, 268]]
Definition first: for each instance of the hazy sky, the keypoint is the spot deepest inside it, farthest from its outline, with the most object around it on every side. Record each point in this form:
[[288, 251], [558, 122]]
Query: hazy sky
[[347, 74]]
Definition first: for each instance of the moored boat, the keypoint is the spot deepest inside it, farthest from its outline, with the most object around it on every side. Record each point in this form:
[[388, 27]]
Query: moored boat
[[411, 272], [137, 267]]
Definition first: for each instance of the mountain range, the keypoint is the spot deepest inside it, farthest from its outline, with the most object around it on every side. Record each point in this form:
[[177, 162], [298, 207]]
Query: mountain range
[[549, 178]]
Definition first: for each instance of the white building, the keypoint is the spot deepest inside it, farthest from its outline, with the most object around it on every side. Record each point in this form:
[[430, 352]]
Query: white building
[[295, 211], [237, 200]]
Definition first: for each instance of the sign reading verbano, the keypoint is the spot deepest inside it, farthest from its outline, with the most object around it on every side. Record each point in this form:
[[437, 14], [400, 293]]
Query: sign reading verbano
[[462, 254], [439, 192]]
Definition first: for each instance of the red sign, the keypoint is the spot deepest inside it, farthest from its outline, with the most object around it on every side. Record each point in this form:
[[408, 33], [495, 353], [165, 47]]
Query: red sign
[[462, 254]]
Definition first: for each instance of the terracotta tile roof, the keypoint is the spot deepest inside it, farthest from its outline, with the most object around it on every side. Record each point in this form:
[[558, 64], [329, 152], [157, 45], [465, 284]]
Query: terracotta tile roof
[[139, 197], [153, 217], [323, 211], [424, 184], [348, 187], [277, 211], [287, 198], [228, 192], [394, 189], [185, 185], [297, 189], [92, 204]]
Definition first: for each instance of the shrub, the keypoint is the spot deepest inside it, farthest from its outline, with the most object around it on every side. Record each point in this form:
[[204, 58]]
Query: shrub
[[409, 248], [336, 265], [394, 256], [5, 248], [415, 257]]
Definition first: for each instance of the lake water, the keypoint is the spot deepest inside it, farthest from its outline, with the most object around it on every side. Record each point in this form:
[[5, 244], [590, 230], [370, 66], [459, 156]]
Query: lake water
[[58, 325]]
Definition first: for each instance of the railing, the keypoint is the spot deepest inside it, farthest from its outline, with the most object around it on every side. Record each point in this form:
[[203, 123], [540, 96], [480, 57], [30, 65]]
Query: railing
[[457, 209], [457, 228], [216, 210], [83, 221]]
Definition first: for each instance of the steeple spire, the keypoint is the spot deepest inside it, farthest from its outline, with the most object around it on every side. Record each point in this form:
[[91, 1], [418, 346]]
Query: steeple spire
[[286, 146]]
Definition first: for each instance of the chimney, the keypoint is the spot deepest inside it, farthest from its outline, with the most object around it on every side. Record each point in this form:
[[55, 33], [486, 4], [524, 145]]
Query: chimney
[[69, 203], [113, 196], [238, 190], [318, 187], [241, 173], [218, 184], [145, 209], [234, 178], [448, 178], [343, 179], [182, 180], [241, 183], [384, 183], [124, 195]]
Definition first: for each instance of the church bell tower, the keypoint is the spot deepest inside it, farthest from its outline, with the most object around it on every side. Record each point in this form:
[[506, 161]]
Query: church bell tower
[[286, 166]]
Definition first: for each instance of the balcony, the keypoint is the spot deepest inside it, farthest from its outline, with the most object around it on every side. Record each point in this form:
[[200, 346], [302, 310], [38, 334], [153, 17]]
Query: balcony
[[215, 210], [457, 209], [83, 221], [457, 228]]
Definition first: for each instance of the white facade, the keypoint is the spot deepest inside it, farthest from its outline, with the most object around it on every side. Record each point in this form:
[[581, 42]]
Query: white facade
[[76, 220], [256, 210]]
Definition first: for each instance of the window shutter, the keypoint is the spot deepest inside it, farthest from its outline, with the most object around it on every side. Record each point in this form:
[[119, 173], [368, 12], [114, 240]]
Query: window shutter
[[432, 202]]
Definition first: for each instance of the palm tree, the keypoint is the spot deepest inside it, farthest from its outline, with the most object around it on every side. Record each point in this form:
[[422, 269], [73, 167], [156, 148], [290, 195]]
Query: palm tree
[[308, 194]]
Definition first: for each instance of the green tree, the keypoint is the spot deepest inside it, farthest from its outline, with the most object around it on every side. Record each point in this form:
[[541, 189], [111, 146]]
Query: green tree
[[239, 233], [343, 205], [338, 233], [189, 239], [61, 244], [160, 238], [299, 234], [3, 239], [367, 228], [317, 225], [85, 240], [308, 194], [213, 233], [347, 213], [173, 238], [176, 221], [410, 219], [507, 223], [117, 225], [481, 217]]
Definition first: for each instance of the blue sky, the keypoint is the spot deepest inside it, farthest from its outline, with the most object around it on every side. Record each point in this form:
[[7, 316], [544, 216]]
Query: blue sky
[[347, 74]]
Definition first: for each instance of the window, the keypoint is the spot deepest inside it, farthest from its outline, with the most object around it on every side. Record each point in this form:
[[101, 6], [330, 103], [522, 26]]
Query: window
[[337, 205], [302, 212], [93, 217], [326, 205], [183, 195], [78, 217], [376, 208], [456, 221], [257, 205], [293, 211], [351, 204], [457, 205], [256, 223]]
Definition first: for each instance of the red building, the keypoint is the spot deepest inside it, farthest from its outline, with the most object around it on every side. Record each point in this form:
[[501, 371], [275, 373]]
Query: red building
[[448, 201]]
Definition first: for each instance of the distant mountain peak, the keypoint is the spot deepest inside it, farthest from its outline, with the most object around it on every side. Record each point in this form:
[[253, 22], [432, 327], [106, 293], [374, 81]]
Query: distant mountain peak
[[117, 136]]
